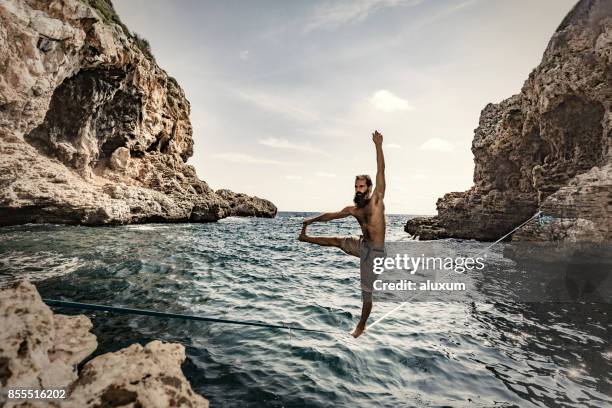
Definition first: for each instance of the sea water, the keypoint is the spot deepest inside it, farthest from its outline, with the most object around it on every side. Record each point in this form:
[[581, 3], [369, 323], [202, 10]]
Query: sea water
[[486, 353]]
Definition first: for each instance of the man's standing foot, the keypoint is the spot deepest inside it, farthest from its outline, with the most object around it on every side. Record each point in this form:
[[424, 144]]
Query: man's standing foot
[[365, 314], [358, 330]]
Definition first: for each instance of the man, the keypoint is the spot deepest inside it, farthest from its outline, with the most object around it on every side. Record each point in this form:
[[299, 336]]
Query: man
[[369, 210]]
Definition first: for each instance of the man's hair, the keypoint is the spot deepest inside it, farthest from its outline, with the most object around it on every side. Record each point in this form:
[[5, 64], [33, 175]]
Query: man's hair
[[365, 177]]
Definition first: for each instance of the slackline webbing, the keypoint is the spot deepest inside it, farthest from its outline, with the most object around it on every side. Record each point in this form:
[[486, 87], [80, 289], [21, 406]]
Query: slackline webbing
[[143, 312]]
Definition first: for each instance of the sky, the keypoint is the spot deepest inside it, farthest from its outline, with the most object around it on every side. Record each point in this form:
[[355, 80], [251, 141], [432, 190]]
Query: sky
[[285, 95]]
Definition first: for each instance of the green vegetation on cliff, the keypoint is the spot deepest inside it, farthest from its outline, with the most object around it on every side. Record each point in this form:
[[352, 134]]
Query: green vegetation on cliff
[[109, 15]]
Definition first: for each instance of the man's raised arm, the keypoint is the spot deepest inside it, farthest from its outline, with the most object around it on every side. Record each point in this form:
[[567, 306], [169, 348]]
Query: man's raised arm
[[379, 190], [345, 212]]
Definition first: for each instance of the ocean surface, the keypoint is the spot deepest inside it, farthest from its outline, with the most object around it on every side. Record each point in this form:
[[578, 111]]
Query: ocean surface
[[483, 354]]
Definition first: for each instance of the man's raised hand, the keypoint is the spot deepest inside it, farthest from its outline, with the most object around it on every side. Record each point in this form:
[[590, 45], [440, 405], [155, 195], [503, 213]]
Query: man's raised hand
[[377, 138]]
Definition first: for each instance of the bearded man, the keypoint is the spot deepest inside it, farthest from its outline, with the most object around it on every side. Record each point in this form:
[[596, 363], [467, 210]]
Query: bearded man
[[369, 210]]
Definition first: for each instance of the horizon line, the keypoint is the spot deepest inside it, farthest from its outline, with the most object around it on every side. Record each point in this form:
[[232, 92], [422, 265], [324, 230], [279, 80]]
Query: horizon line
[[319, 212]]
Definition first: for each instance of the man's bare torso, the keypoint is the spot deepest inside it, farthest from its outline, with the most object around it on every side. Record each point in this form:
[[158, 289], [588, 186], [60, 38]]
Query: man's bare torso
[[371, 218]]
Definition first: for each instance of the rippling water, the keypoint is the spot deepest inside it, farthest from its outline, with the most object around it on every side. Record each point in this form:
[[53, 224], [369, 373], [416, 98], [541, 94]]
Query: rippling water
[[429, 354]]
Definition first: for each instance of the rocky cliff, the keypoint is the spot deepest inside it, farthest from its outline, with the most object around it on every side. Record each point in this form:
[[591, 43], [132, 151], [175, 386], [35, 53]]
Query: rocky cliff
[[92, 130], [41, 350], [548, 146]]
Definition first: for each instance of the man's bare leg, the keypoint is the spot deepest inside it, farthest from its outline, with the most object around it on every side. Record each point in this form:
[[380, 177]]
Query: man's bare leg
[[365, 313], [335, 241], [324, 241]]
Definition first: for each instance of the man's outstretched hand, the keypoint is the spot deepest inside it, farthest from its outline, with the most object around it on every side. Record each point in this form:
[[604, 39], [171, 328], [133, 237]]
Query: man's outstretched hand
[[377, 138]]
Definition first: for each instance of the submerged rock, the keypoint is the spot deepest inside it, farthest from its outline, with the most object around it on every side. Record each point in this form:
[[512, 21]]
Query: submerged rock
[[548, 146], [41, 350], [92, 130]]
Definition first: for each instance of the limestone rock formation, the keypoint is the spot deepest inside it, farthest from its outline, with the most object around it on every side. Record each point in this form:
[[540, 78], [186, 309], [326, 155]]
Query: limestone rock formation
[[148, 376], [92, 130], [242, 205], [585, 204], [548, 146], [40, 350]]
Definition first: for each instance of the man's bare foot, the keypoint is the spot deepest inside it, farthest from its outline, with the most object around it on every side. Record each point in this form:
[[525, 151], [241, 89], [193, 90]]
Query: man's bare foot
[[358, 331], [302, 236]]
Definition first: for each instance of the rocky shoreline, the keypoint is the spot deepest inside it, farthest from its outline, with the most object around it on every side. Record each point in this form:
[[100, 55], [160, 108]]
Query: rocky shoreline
[[548, 147], [41, 350], [92, 130]]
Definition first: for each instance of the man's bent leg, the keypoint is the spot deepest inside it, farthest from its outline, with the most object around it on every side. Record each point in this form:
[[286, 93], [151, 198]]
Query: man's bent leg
[[324, 241], [338, 242]]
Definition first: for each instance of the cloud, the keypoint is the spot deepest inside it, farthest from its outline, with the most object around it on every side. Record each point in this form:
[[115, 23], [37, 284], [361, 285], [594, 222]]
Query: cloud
[[386, 101], [277, 104], [393, 146], [418, 176], [337, 13], [286, 144], [244, 55], [325, 16], [438, 145], [236, 157], [293, 177], [324, 174]]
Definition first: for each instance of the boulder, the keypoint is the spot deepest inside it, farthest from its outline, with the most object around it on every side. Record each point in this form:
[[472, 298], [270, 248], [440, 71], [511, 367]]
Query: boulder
[[242, 205]]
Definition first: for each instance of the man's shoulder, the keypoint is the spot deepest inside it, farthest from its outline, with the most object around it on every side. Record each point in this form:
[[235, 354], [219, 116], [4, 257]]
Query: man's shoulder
[[350, 208]]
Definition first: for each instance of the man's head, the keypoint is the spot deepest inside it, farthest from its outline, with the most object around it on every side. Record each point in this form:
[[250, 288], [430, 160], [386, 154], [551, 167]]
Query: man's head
[[363, 189]]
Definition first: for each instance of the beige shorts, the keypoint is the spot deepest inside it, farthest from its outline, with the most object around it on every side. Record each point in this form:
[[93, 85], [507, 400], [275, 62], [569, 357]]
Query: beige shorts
[[366, 252]]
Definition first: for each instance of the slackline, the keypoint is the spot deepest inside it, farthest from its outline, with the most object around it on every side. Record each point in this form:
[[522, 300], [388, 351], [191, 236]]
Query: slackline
[[143, 312]]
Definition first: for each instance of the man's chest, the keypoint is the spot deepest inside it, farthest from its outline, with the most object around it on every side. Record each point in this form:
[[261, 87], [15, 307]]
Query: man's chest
[[367, 217]]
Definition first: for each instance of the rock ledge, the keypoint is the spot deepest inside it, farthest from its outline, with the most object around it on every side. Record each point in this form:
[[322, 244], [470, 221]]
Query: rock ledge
[[40, 350]]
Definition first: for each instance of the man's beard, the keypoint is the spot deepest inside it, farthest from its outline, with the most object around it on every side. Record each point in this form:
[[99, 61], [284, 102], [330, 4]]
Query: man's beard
[[361, 199]]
